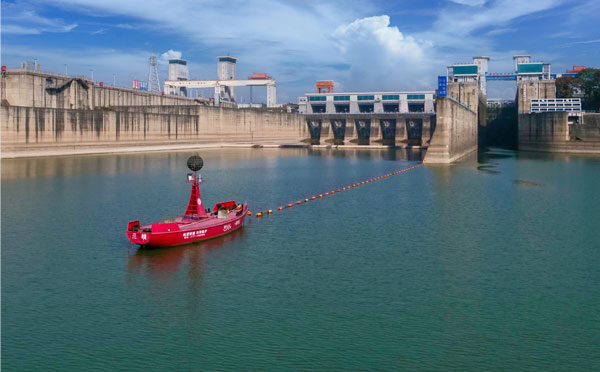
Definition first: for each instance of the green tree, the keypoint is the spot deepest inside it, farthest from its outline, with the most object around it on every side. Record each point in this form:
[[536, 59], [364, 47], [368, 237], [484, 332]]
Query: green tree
[[589, 80], [565, 86]]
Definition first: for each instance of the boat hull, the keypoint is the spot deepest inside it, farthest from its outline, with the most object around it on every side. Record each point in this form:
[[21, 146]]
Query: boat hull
[[172, 234]]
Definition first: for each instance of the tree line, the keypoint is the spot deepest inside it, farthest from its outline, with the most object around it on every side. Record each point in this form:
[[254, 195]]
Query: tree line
[[587, 83]]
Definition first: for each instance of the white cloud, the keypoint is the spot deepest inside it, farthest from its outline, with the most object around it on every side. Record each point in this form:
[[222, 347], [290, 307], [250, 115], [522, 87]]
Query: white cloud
[[470, 2], [592, 41], [127, 26], [465, 21], [377, 29], [15, 29], [381, 57], [500, 31], [170, 54], [20, 20], [300, 42]]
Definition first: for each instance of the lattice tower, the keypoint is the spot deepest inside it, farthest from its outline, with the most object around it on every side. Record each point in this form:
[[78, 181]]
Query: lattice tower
[[153, 82]]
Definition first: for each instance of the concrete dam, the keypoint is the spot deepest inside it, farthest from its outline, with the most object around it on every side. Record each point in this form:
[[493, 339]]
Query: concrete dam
[[52, 114]]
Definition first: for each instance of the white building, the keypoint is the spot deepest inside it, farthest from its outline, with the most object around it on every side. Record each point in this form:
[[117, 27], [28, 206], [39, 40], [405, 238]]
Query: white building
[[226, 71], [470, 72], [367, 102], [178, 70]]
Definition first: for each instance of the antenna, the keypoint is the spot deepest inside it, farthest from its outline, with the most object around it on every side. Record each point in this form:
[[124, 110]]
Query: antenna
[[153, 82]]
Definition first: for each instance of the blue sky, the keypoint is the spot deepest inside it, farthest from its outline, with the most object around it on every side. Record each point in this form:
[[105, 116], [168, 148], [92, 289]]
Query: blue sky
[[362, 45]]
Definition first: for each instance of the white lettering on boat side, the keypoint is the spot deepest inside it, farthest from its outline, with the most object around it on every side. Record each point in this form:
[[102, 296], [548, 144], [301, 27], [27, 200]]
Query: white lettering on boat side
[[226, 227], [237, 222], [194, 234]]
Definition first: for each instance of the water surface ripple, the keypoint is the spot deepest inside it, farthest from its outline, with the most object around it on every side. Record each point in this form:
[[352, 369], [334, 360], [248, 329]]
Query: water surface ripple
[[489, 264]]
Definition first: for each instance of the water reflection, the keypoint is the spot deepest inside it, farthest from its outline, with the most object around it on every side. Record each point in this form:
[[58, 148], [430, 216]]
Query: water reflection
[[163, 263], [140, 163], [488, 155], [488, 168], [370, 154], [560, 157], [488, 159]]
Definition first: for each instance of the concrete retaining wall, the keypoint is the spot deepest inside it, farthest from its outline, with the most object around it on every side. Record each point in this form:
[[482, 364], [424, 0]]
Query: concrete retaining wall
[[34, 128], [456, 131], [551, 132], [466, 93], [40, 89]]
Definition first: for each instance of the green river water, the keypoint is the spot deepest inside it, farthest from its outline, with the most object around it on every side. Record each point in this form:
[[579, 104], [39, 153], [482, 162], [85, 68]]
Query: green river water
[[489, 264]]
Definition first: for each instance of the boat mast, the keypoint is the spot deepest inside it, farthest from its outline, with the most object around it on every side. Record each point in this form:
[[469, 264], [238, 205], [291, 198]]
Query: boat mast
[[195, 207]]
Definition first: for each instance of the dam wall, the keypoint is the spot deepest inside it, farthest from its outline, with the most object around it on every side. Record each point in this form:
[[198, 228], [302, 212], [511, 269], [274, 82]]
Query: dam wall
[[387, 129], [560, 132], [588, 130], [52, 114], [37, 131], [457, 119], [49, 90]]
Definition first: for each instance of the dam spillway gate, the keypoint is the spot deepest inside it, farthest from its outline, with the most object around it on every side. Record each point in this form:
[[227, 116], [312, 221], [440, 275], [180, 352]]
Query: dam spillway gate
[[414, 129]]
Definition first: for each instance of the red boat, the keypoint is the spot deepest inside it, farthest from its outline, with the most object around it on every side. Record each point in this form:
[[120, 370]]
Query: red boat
[[196, 224]]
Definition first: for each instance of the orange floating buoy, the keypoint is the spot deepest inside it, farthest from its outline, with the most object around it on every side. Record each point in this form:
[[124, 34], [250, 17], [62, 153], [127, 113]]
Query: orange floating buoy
[[314, 197], [363, 182], [280, 208], [326, 194], [305, 200], [320, 195], [332, 192], [343, 189], [353, 185], [298, 202], [270, 211], [249, 213], [338, 190], [290, 205], [259, 214]]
